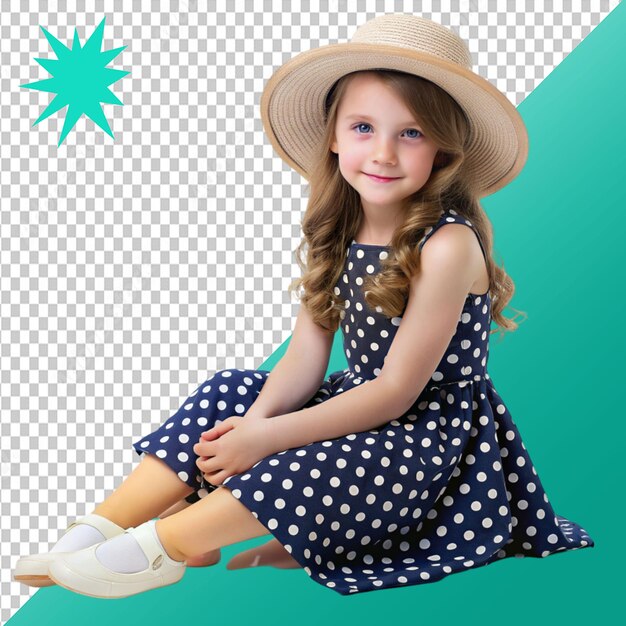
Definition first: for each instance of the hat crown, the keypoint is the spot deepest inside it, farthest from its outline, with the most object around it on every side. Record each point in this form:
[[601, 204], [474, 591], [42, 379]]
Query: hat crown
[[417, 34]]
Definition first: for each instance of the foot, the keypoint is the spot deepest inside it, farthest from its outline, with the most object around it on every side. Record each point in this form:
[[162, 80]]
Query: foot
[[203, 560], [128, 564], [86, 531], [271, 553]]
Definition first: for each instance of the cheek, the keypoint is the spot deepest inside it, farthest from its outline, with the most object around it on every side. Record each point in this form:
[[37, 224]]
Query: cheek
[[422, 168], [350, 161]]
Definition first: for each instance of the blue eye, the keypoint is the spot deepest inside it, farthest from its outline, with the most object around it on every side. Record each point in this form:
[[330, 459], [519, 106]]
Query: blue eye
[[361, 124], [415, 129], [407, 130]]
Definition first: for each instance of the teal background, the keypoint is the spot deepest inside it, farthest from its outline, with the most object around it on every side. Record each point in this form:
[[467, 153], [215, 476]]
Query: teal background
[[559, 229]]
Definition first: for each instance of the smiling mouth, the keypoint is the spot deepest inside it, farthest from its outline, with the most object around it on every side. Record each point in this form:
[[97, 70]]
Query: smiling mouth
[[380, 179]]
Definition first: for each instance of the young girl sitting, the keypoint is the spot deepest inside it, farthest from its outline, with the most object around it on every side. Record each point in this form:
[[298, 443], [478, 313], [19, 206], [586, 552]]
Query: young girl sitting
[[406, 466]]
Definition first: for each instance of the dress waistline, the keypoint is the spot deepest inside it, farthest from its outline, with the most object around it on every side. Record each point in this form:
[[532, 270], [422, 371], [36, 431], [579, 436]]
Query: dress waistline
[[475, 379]]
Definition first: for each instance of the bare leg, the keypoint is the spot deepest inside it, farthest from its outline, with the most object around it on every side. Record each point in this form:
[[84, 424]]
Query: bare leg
[[136, 501], [148, 490], [218, 520], [201, 560], [179, 506], [271, 553]]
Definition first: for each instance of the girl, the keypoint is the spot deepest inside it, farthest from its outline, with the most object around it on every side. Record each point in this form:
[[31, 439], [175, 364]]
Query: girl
[[406, 466]]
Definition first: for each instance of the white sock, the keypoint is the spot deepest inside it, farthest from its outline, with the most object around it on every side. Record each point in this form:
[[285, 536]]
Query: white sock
[[124, 555], [79, 537]]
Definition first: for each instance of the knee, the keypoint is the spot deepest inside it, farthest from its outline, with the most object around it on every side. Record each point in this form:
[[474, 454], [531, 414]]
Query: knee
[[238, 387]]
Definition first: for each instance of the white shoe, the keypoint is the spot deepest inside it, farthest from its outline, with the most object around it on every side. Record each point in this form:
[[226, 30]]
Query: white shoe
[[33, 570], [82, 572]]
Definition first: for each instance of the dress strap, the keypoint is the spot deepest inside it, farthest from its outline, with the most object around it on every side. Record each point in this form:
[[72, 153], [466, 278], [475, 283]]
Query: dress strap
[[450, 217]]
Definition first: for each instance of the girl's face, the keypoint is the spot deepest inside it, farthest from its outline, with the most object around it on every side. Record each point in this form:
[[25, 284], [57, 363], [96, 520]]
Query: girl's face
[[375, 133]]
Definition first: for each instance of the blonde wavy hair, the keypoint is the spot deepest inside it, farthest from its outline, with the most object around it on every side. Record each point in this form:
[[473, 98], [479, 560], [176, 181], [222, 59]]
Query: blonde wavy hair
[[333, 214]]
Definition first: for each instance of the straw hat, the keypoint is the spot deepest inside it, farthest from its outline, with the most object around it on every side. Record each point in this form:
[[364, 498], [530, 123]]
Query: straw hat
[[293, 101]]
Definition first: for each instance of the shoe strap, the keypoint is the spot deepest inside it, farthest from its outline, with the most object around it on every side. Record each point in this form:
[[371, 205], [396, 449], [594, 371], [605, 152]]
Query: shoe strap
[[148, 539], [104, 525]]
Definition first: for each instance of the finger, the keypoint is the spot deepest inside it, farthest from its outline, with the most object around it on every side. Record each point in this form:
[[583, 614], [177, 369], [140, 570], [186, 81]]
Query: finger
[[219, 429], [215, 478], [205, 448], [201, 463], [221, 426], [211, 434], [208, 465]]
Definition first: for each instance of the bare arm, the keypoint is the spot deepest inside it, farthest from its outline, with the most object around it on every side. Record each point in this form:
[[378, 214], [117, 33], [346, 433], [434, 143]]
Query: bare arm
[[365, 407], [429, 323], [290, 385], [298, 375]]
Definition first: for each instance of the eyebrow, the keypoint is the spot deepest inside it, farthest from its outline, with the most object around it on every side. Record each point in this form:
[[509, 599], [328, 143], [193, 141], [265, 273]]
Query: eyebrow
[[371, 119]]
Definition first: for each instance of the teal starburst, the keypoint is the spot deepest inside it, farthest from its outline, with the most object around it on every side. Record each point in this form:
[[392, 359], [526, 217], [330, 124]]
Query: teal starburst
[[80, 79]]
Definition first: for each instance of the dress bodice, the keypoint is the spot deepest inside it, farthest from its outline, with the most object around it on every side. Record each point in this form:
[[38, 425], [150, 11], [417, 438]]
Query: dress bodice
[[367, 333]]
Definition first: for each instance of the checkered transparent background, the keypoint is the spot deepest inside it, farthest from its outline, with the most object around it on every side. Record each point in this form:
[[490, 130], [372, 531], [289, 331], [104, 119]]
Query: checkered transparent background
[[133, 268]]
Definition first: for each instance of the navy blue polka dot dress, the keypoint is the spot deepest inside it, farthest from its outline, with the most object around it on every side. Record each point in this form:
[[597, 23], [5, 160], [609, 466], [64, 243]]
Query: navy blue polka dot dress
[[447, 487]]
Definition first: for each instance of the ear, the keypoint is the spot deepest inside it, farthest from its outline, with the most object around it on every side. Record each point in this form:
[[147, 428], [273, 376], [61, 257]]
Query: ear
[[333, 147]]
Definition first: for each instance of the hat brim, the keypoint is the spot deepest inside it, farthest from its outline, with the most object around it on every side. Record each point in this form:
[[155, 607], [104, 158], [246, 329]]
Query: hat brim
[[292, 106]]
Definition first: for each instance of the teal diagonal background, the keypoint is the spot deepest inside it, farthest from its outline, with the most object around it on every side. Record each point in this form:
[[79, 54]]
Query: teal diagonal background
[[560, 233]]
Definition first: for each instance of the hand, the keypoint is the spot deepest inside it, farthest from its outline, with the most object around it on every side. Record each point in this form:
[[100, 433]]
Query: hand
[[232, 446]]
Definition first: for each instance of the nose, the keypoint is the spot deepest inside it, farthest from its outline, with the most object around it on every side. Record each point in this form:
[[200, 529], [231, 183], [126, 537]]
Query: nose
[[384, 151]]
